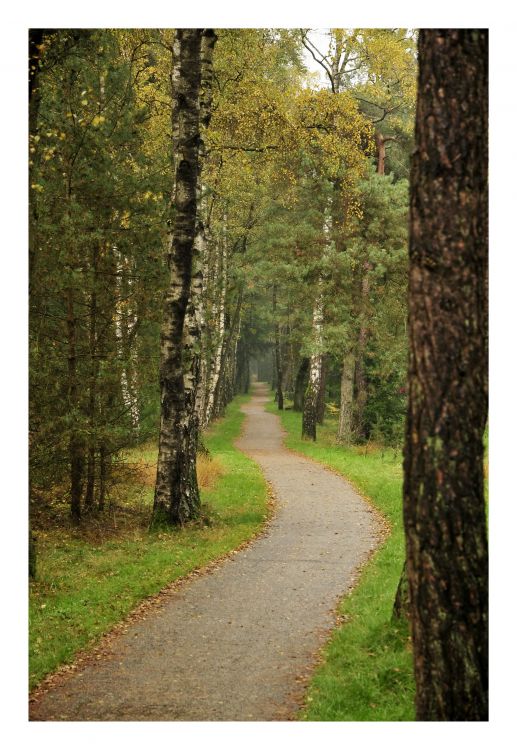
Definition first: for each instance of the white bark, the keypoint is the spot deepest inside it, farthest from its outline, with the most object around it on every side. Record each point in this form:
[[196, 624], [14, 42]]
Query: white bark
[[215, 373], [315, 369], [127, 319]]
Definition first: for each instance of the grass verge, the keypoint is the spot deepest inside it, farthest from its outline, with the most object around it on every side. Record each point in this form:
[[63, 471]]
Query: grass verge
[[86, 584], [366, 672]]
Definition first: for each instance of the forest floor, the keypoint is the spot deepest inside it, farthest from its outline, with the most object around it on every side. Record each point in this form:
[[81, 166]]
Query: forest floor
[[240, 642]]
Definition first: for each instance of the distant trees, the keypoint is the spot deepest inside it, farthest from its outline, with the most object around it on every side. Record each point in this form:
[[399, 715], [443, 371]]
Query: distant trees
[[444, 506]]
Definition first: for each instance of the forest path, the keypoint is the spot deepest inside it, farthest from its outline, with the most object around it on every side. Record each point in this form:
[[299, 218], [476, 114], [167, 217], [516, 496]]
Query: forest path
[[238, 642]]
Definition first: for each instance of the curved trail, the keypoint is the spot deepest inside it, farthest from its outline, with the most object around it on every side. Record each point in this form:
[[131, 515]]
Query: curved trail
[[235, 643]]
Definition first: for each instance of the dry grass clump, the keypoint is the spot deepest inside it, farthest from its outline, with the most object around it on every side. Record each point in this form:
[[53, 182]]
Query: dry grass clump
[[208, 471]]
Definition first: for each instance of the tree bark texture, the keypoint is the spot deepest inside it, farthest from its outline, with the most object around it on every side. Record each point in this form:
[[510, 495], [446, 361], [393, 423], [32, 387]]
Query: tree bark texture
[[444, 507], [217, 343], [346, 399], [401, 604], [310, 405], [278, 358], [195, 316], [301, 384], [176, 498], [224, 387], [242, 375]]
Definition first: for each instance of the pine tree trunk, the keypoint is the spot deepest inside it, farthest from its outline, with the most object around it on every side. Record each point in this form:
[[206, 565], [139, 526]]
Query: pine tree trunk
[[361, 385], [279, 397], [243, 367], [89, 495], [444, 507], [381, 152], [103, 475], [176, 498], [301, 384], [344, 433], [76, 447]]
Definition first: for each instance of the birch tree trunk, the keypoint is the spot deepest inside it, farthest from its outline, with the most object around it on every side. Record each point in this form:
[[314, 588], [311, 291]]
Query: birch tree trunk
[[215, 369], [223, 386], [310, 406], [195, 317], [176, 497], [320, 410], [125, 323], [444, 506]]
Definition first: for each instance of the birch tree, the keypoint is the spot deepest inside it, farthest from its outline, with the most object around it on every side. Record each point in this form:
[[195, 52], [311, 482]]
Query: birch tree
[[176, 497]]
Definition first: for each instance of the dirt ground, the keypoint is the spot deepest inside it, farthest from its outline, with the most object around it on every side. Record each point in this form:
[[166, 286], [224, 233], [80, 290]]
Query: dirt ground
[[238, 643]]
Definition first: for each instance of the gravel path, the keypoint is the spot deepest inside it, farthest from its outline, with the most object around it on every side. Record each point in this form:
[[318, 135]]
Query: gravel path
[[238, 642]]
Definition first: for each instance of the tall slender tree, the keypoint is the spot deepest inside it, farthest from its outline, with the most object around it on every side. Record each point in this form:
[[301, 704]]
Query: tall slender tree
[[176, 498], [444, 507]]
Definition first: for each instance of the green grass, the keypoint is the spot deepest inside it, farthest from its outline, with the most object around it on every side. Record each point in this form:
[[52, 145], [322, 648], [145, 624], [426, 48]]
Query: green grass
[[367, 673], [83, 588]]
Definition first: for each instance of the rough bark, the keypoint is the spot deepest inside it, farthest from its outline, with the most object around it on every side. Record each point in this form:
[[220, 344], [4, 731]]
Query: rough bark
[[301, 384], [444, 507], [346, 399], [380, 143], [176, 498]]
